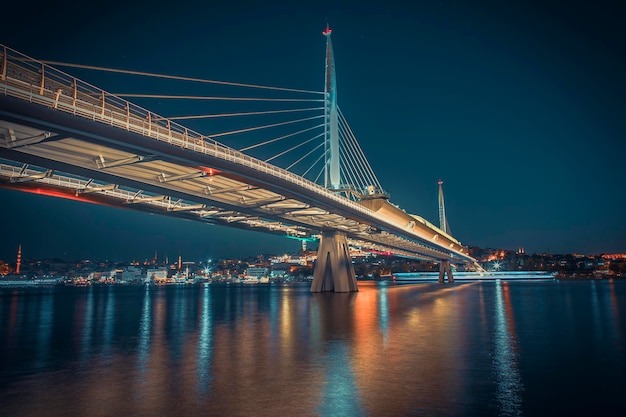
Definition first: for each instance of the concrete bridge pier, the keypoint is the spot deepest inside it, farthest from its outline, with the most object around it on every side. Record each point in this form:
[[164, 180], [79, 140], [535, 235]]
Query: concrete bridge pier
[[333, 270], [444, 268]]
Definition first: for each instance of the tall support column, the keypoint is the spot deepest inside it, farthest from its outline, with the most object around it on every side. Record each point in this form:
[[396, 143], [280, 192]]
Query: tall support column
[[443, 220], [444, 268], [332, 177], [333, 270]]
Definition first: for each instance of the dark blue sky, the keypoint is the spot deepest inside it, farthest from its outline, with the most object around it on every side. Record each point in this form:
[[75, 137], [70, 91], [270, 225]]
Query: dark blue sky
[[520, 107]]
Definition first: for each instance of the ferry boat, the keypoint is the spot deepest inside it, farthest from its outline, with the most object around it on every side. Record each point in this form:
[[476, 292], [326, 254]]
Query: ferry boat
[[23, 281], [249, 279], [475, 276]]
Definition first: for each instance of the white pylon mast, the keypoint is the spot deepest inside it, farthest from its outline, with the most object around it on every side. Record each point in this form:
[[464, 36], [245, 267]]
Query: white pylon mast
[[443, 221], [332, 174]]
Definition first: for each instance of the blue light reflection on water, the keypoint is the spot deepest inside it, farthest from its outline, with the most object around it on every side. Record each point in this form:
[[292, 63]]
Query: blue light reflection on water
[[205, 343], [145, 324], [87, 318], [340, 394], [509, 385], [44, 331], [492, 348], [383, 315]]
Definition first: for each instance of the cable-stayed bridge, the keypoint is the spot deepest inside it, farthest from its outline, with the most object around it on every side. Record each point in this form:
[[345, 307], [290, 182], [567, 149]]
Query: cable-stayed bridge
[[297, 169]]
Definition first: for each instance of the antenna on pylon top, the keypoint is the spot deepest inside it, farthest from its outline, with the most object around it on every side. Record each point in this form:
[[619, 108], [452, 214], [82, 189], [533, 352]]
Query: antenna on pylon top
[[327, 32]]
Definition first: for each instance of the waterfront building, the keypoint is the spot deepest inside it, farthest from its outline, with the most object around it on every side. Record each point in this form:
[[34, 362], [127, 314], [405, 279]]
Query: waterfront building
[[131, 274], [257, 271], [156, 276]]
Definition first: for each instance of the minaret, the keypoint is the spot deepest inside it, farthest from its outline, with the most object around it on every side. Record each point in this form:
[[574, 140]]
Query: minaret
[[332, 176], [180, 262], [18, 264], [443, 221]]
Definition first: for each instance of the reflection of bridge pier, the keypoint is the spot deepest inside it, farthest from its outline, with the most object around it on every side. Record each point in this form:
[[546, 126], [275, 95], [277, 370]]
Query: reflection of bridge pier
[[334, 271]]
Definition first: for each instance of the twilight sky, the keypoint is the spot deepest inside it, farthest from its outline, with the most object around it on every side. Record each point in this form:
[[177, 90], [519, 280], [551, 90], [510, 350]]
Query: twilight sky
[[520, 107]]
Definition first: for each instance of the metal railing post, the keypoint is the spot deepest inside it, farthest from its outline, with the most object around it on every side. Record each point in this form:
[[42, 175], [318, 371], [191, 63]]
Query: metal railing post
[[74, 94], [43, 77], [3, 75], [56, 97]]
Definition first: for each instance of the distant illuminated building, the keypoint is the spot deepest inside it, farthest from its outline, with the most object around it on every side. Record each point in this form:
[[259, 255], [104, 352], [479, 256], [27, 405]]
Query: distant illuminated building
[[156, 275], [614, 256], [257, 271], [131, 274]]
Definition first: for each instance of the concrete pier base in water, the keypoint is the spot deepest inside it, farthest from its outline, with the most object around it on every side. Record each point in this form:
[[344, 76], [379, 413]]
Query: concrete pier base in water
[[333, 270], [444, 268]]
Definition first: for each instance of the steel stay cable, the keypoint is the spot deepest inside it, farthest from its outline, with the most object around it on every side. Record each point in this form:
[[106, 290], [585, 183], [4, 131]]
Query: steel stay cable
[[280, 138], [349, 176], [292, 148], [357, 158], [352, 138], [364, 158], [350, 163], [349, 166], [307, 154], [318, 175], [314, 163], [217, 98], [359, 153], [232, 132], [252, 113], [178, 77]]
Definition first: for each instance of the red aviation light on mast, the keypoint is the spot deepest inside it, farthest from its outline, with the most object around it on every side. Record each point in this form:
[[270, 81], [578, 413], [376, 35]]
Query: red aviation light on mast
[[327, 32]]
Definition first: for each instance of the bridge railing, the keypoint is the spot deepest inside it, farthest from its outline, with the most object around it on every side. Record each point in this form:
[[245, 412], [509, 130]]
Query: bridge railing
[[34, 81]]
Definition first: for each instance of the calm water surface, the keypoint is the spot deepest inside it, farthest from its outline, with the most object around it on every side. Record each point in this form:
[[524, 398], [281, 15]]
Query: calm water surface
[[467, 349]]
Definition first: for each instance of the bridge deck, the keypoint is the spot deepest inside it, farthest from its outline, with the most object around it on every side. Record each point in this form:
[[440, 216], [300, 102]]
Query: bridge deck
[[99, 144]]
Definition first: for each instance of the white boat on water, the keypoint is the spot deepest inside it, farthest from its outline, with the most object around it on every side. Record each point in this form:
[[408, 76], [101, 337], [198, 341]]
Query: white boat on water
[[249, 279], [475, 276], [23, 281]]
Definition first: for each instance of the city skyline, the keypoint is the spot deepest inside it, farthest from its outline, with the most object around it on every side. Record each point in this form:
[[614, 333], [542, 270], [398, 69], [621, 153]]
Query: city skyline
[[518, 109]]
